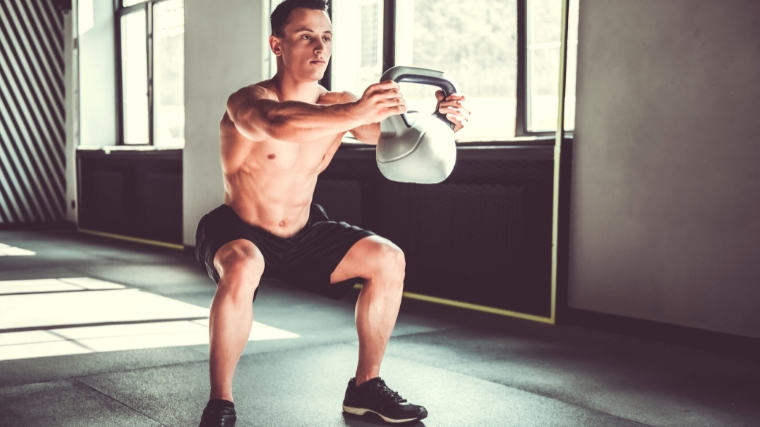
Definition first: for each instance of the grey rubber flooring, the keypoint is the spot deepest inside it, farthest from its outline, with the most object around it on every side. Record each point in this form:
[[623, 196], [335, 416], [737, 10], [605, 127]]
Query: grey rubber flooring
[[467, 368]]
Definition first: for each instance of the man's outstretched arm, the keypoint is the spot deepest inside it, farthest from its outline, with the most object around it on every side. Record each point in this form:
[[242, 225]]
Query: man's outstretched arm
[[368, 133], [258, 115]]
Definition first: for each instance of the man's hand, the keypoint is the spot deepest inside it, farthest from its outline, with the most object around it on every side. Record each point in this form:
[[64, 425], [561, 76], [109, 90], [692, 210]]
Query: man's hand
[[379, 101], [455, 109]]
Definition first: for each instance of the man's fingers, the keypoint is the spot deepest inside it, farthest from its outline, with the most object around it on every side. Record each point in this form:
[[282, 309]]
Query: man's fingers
[[458, 104], [387, 94], [454, 110], [391, 103], [387, 85]]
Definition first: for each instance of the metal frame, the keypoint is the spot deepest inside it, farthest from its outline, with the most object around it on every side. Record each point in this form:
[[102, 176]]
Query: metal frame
[[119, 12], [521, 123], [559, 136], [389, 34], [521, 126], [327, 78]]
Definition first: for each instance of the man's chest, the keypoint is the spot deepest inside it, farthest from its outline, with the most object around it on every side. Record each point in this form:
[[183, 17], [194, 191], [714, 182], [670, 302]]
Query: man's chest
[[297, 158]]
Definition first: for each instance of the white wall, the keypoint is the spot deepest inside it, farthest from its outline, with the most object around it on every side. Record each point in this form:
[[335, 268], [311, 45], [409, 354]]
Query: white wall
[[97, 73], [224, 47], [665, 216]]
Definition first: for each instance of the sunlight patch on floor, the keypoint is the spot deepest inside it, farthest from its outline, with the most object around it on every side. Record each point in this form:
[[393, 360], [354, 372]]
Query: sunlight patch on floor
[[102, 339], [93, 313], [71, 284], [7, 250]]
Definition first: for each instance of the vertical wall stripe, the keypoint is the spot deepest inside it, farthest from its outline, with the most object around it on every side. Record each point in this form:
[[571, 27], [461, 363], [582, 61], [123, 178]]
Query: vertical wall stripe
[[21, 177], [17, 118], [42, 77], [31, 111], [53, 55], [54, 82], [33, 64], [22, 123], [32, 141], [49, 15]]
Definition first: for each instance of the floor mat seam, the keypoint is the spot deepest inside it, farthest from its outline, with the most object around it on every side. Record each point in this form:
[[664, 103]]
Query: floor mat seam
[[118, 401]]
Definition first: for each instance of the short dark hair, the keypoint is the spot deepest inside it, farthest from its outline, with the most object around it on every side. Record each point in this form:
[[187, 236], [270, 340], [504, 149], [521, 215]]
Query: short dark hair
[[281, 14]]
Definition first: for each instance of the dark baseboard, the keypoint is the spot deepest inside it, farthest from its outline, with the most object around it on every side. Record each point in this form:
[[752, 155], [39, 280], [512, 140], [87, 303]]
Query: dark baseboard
[[715, 342], [38, 226]]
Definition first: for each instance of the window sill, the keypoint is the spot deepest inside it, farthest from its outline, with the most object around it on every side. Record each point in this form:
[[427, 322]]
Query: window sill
[[108, 148], [129, 151], [522, 141]]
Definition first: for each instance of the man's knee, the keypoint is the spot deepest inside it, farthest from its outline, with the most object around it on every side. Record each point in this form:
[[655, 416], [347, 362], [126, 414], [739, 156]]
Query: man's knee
[[240, 265], [387, 259]]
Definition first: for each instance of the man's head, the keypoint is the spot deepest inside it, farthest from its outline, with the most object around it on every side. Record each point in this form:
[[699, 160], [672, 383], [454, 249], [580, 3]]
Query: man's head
[[302, 38]]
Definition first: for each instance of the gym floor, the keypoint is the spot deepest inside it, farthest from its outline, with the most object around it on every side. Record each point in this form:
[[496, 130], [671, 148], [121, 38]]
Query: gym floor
[[102, 332]]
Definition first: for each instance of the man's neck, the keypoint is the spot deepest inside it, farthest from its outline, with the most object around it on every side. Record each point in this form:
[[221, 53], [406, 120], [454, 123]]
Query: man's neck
[[296, 90]]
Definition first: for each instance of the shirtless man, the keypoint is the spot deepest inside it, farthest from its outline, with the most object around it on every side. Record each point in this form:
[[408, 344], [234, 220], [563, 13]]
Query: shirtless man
[[276, 137]]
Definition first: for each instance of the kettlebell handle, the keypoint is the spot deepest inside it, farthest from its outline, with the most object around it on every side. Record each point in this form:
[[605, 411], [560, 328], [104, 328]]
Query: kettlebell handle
[[423, 76]]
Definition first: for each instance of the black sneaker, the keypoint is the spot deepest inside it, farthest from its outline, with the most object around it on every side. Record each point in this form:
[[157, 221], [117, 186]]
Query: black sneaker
[[218, 413], [374, 396]]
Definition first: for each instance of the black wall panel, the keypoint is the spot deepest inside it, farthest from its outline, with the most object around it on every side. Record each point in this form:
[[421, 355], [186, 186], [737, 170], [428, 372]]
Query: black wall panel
[[483, 236], [32, 163], [131, 193]]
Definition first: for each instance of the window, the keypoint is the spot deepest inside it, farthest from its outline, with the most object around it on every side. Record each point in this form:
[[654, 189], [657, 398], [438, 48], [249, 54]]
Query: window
[[474, 42], [151, 37], [544, 20], [357, 59], [134, 78]]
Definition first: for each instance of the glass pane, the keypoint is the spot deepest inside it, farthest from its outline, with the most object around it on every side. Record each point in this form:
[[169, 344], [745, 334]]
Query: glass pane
[[168, 74], [357, 58], [127, 3], [544, 24], [474, 42], [134, 78]]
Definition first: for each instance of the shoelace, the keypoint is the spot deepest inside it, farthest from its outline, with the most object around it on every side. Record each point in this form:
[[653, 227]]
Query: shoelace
[[386, 391]]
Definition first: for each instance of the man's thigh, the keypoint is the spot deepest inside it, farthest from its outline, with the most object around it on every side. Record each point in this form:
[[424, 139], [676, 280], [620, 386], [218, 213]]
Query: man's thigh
[[310, 263]]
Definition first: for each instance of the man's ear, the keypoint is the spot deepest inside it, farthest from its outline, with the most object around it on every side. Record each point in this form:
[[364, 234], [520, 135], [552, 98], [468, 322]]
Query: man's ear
[[274, 44]]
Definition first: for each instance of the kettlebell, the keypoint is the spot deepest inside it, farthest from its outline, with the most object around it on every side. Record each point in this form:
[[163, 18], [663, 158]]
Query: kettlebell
[[414, 147]]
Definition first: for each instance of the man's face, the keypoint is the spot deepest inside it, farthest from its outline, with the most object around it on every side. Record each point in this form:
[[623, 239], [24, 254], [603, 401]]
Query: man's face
[[306, 45]]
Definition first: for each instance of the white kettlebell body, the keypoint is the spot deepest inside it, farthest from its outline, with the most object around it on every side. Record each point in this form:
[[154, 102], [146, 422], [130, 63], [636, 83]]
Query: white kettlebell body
[[414, 147]]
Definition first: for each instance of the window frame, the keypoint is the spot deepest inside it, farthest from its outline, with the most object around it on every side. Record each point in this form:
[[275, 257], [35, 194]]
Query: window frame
[[521, 121], [120, 11], [522, 134]]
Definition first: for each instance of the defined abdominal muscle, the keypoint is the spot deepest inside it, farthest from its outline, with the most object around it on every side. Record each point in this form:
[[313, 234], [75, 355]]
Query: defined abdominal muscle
[[278, 202]]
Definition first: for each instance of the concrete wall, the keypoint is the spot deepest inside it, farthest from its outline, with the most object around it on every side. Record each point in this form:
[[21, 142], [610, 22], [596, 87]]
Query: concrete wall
[[665, 216], [224, 47]]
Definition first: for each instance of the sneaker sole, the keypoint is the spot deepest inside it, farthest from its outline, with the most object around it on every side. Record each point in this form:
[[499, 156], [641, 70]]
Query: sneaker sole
[[362, 411]]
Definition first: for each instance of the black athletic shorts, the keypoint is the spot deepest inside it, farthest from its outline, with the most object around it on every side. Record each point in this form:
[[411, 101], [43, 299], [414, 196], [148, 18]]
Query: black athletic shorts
[[305, 260]]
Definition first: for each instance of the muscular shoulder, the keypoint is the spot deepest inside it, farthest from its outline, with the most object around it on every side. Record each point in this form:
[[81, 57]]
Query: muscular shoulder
[[329, 98], [251, 92]]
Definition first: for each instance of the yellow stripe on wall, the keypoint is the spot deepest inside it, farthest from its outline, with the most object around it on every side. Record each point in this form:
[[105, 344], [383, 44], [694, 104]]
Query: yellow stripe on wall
[[476, 307], [133, 239]]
